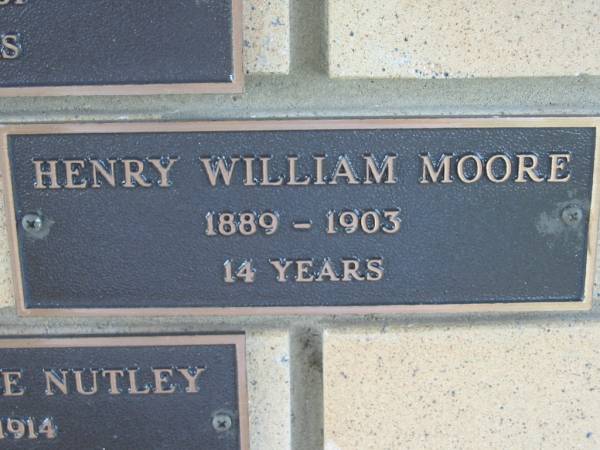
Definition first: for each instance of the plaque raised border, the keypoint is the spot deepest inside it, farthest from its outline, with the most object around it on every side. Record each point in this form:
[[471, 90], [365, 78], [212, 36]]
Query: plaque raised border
[[155, 341], [236, 86], [302, 125]]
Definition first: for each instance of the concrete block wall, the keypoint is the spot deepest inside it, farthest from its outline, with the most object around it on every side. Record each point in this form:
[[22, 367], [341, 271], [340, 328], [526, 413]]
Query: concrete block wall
[[523, 381], [462, 39]]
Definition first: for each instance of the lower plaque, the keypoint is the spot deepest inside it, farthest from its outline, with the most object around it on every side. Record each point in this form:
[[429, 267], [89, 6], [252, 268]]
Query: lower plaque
[[159, 392]]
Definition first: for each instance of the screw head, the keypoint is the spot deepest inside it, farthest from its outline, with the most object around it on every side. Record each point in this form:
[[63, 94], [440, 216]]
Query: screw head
[[222, 422], [572, 215], [32, 223]]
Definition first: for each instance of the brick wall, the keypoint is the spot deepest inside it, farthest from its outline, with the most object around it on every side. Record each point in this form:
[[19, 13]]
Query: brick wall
[[390, 382]]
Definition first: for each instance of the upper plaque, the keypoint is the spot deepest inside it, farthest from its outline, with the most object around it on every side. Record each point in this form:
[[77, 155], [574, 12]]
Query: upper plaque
[[125, 47], [302, 216]]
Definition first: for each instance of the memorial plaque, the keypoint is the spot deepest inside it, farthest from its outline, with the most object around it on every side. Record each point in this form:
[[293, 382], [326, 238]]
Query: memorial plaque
[[322, 216], [125, 47], [165, 392]]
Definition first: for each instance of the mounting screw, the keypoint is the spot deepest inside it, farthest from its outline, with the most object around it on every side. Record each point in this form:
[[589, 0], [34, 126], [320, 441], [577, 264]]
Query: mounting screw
[[222, 422], [32, 223], [572, 215]]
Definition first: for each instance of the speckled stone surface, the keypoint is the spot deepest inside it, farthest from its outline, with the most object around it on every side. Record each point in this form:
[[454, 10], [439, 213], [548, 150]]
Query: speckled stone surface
[[505, 386], [268, 361], [266, 36], [461, 39]]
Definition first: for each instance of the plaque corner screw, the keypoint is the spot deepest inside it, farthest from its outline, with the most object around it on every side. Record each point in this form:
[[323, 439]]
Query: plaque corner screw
[[32, 223], [572, 215], [222, 422]]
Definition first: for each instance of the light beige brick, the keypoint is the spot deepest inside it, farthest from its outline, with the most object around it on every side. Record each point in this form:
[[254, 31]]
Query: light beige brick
[[6, 287], [460, 38], [268, 372], [266, 36], [502, 386]]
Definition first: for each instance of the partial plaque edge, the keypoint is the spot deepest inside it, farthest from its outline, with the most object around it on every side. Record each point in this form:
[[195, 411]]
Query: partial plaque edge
[[238, 340], [236, 86]]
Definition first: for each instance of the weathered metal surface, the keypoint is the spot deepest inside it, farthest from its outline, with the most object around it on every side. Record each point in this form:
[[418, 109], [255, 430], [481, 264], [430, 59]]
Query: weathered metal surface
[[88, 47], [317, 217], [164, 392]]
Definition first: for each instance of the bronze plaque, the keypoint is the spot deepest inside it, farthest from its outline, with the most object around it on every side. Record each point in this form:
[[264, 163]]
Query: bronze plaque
[[124, 47], [144, 392], [320, 216]]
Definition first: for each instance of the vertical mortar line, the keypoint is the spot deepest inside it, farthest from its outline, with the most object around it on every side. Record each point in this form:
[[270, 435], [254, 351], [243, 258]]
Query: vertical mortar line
[[307, 36], [306, 367], [325, 37], [306, 364]]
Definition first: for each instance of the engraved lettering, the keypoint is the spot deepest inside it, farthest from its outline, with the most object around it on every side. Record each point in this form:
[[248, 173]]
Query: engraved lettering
[[162, 383], [461, 171], [10, 46], [266, 177], [528, 166], [377, 173], [491, 174], [375, 269], [99, 168], [133, 383], [344, 169], [498, 168], [351, 270], [163, 170], [303, 266], [431, 173], [46, 170], [293, 177], [327, 272], [249, 180], [10, 383], [369, 222], [79, 387], [30, 428], [117, 381], [94, 173], [260, 171], [558, 168], [319, 170], [73, 170], [113, 377], [245, 272], [221, 169], [134, 173], [344, 270], [281, 266], [53, 380], [191, 375]]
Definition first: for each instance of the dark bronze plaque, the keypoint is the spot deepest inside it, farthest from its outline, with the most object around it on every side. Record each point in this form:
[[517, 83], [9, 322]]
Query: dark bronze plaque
[[302, 216], [166, 392], [125, 47]]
